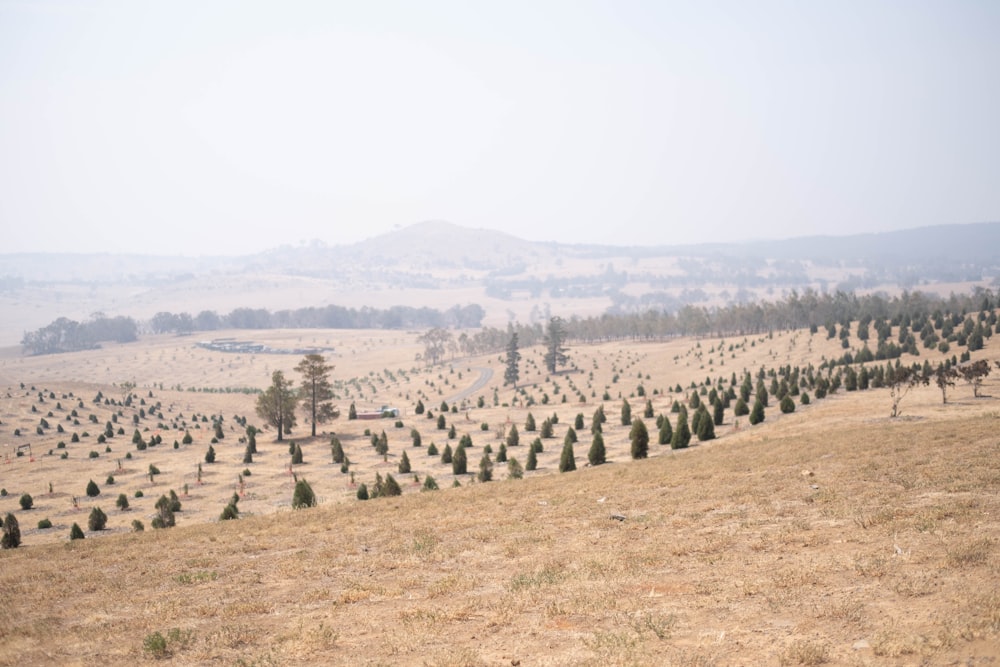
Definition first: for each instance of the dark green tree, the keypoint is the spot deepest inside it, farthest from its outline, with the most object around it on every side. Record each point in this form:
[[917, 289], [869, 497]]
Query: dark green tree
[[316, 394], [26, 501], [404, 464], [390, 487], [666, 431], [122, 502], [787, 405], [532, 461], [276, 405], [485, 468], [446, 454], [706, 425], [459, 461], [529, 423], [11, 537], [567, 460], [92, 490], [757, 413], [555, 339], [597, 453], [626, 413], [639, 437], [303, 495], [296, 454], [512, 436], [511, 369], [75, 533], [681, 437], [97, 519], [210, 455]]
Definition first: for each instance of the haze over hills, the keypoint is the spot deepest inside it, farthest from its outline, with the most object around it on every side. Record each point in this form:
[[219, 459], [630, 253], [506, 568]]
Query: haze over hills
[[439, 265]]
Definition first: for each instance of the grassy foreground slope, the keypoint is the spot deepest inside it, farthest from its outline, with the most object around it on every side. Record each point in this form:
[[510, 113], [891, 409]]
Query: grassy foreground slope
[[832, 535]]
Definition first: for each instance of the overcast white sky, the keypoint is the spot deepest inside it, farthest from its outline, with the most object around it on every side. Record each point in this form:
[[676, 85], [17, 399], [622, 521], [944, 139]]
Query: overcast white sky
[[224, 127]]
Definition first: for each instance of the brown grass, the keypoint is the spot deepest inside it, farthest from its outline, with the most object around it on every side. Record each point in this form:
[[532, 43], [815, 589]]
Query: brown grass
[[885, 554]]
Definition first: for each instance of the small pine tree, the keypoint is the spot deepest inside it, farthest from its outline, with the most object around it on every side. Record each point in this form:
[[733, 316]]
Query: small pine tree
[[666, 431], [404, 464], [248, 454], [75, 533], [303, 495], [92, 490], [682, 434], [513, 438], [352, 412], [391, 487], [787, 405], [336, 449], [415, 434], [740, 408], [502, 453], [626, 413], [532, 461], [639, 437], [187, 440], [446, 455], [11, 537], [570, 436], [459, 461], [514, 469], [97, 520], [210, 455], [432, 450], [706, 426], [297, 454], [546, 430], [429, 484], [567, 460], [229, 513], [757, 414], [597, 453], [122, 502], [529, 423], [26, 501], [485, 468], [362, 493]]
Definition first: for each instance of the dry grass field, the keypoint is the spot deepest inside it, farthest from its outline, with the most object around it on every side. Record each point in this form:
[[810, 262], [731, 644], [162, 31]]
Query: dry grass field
[[832, 535]]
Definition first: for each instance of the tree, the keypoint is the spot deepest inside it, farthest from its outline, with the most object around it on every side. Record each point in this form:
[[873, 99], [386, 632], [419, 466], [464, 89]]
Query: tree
[[787, 405], [415, 436], [555, 339], [639, 437], [26, 501], [513, 438], [514, 469], [459, 461], [900, 380], [706, 425], [597, 453], [529, 423], [316, 393], [974, 372], [296, 454], [511, 371], [567, 460], [92, 490], [164, 513], [666, 431], [757, 413], [11, 538], [682, 434], [276, 405], [626, 413], [485, 468], [944, 377], [404, 464], [435, 344], [97, 519], [122, 502], [532, 461], [210, 455], [390, 487], [75, 533], [303, 495]]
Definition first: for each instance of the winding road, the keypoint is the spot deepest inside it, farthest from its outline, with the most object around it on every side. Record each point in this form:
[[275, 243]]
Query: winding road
[[485, 375]]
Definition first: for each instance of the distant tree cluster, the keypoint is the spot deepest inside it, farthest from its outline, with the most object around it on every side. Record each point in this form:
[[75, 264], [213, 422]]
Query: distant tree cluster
[[66, 335], [327, 317]]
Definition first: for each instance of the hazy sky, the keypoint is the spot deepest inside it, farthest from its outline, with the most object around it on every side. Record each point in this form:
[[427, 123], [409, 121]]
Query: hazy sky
[[205, 127]]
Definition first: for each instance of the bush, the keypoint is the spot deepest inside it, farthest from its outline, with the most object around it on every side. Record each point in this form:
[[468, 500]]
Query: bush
[[757, 414], [110, 480], [75, 533], [429, 484], [459, 461], [639, 439], [26, 501], [485, 468], [787, 405], [92, 490], [391, 487], [137, 526], [210, 455], [11, 538], [597, 453], [97, 519], [514, 469], [404, 464], [296, 454], [229, 513], [303, 495], [363, 492], [122, 502], [43, 524], [187, 440]]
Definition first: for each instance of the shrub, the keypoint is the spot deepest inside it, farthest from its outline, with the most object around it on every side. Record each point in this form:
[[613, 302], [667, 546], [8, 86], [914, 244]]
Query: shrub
[[210, 455], [682, 434], [75, 533], [429, 484], [44, 523], [446, 455], [122, 502], [485, 468], [432, 450], [757, 414], [404, 464], [110, 480], [296, 454], [137, 526], [303, 495], [164, 514], [513, 437], [787, 405], [26, 501], [532, 461], [138, 493], [11, 537], [229, 512], [92, 490], [187, 440], [363, 491], [97, 519], [514, 469]]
